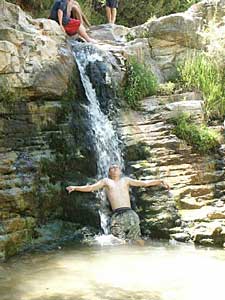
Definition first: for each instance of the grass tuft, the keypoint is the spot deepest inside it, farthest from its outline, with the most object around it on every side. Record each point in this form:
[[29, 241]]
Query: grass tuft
[[140, 82], [200, 137], [201, 72]]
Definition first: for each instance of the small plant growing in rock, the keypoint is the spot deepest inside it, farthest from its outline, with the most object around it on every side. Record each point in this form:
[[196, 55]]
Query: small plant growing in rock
[[140, 82], [200, 137], [166, 88], [130, 37]]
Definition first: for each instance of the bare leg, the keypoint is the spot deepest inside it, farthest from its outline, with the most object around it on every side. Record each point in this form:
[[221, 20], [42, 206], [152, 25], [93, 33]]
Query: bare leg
[[82, 32], [86, 22], [109, 14], [113, 15], [76, 13]]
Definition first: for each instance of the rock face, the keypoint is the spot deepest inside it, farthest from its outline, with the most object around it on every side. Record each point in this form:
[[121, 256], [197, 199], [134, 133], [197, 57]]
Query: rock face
[[44, 142], [41, 130], [163, 42], [35, 57], [195, 208]]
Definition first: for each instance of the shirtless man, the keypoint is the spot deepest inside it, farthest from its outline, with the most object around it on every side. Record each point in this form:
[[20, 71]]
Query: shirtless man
[[124, 221]]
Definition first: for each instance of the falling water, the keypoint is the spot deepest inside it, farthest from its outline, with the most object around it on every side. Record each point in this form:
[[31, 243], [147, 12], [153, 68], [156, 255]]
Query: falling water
[[104, 137]]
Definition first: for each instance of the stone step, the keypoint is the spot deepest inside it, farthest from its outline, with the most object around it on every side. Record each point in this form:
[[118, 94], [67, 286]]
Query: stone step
[[195, 190], [201, 214], [175, 97]]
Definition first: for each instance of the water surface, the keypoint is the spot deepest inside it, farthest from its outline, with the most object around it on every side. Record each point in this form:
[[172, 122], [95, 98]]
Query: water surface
[[158, 271]]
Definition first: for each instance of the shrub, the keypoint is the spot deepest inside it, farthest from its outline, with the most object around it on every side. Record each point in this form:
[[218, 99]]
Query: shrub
[[95, 13], [167, 88], [202, 72], [130, 13], [38, 8], [140, 82], [202, 138]]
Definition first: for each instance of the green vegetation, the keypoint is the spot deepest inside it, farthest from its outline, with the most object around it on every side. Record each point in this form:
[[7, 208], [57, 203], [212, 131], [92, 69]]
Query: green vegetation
[[204, 73], [167, 88], [202, 138], [38, 8], [140, 82], [130, 13], [94, 13], [137, 152]]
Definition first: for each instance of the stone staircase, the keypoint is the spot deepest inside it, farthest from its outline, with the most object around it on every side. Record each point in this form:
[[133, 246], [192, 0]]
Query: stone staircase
[[196, 209]]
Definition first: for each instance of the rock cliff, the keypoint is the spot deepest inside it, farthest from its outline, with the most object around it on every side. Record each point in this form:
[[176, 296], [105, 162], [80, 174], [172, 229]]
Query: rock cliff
[[44, 143], [41, 129]]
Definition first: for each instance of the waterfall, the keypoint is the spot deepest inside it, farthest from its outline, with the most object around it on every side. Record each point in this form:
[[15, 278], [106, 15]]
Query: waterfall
[[104, 137]]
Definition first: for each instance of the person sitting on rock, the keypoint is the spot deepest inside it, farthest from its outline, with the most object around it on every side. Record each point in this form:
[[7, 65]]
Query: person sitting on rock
[[111, 10], [59, 13], [75, 12], [124, 222]]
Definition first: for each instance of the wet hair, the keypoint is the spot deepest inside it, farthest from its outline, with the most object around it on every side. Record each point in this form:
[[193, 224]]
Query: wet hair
[[113, 166]]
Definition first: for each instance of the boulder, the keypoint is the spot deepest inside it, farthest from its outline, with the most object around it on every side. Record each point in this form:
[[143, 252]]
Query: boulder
[[35, 58]]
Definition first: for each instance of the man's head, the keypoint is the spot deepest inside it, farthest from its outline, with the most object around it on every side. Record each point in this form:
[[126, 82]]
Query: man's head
[[114, 171]]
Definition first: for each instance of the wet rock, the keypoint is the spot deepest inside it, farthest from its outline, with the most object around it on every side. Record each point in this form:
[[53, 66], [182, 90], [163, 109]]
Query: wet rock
[[41, 130], [215, 237], [181, 237], [207, 242]]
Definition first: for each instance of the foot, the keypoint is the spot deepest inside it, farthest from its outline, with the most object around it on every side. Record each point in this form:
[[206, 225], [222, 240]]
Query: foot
[[140, 242], [93, 41]]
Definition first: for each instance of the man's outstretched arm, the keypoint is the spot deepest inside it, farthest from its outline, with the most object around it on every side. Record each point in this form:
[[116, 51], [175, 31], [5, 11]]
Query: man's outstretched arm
[[87, 188], [147, 183]]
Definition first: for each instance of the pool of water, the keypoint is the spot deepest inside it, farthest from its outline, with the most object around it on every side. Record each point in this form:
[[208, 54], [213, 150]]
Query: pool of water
[[157, 271]]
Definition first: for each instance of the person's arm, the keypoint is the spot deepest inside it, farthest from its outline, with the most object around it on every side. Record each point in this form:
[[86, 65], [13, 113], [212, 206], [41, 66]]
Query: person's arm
[[60, 18], [87, 188], [147, 183]]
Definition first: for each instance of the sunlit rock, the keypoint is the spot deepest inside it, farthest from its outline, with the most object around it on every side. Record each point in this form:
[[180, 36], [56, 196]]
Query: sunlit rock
[[35, 59]]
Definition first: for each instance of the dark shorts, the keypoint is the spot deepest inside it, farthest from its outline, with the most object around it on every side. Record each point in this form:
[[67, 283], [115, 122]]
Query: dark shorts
[[72, 27], [125, 224], [112, 3]]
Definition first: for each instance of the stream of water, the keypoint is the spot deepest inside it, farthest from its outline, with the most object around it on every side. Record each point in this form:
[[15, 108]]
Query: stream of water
[[158, 271], [104, 136]]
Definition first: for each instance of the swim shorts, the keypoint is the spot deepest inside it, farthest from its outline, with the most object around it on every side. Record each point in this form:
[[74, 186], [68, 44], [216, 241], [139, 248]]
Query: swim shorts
[[125, 224], [112, 3], [72, 27]]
